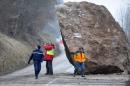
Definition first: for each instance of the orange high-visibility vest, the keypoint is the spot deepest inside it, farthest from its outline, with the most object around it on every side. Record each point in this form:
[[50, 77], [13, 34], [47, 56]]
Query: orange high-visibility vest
[[79, 57]]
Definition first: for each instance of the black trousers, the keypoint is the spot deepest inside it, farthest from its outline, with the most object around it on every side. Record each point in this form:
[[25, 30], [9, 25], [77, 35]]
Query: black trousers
[[37, 68], [49, 67]]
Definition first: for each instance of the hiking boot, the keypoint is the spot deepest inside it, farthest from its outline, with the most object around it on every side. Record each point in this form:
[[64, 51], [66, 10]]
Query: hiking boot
[[36, 77], [50, 74], [75, 72], [73, 75], [46, 73], [83, 76]]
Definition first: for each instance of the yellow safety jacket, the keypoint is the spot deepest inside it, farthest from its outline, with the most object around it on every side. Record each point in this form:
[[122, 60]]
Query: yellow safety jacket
[[51, 52], [79, 57]]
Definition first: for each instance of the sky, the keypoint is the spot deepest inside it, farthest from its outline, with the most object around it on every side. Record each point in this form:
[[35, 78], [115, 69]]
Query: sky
[[114, 6]]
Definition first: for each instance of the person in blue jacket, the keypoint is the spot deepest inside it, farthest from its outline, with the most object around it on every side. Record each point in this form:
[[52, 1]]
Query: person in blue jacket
[[37, 57]]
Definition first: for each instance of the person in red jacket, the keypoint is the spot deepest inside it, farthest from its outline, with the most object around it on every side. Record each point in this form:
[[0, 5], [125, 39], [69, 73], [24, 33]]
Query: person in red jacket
[[48, 57]]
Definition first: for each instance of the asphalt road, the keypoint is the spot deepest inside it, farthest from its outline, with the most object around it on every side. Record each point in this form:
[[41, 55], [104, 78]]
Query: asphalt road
[[63, 71]]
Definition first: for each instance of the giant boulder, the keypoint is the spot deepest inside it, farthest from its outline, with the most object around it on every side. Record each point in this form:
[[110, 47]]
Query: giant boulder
[[92, 27]]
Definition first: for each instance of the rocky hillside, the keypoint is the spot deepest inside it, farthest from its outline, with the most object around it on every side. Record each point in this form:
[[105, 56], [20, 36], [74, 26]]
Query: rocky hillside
[[92, 27], [22, 23]]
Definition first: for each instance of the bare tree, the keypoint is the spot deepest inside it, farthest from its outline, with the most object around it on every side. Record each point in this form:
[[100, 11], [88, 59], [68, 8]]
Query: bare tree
[[127, 22], [124, 19]]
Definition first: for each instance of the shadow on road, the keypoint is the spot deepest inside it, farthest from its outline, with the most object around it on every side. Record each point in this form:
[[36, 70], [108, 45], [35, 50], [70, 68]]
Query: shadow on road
[[127, 83]]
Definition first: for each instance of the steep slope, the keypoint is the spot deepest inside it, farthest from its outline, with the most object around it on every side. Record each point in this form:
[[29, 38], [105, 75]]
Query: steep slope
[[13, 54], [25, 20], [92, 27]]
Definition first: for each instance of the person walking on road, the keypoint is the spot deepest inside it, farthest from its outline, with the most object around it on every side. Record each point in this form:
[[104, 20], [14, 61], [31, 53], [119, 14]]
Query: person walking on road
[[49, 55], [79, 59], [36, 56]]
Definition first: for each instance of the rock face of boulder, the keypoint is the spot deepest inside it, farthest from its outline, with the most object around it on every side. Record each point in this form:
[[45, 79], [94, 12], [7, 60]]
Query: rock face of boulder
[[92, 27]]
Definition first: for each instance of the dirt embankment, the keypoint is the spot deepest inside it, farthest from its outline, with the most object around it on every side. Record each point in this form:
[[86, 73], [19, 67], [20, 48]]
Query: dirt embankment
[[13, 54], [92, 27]]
